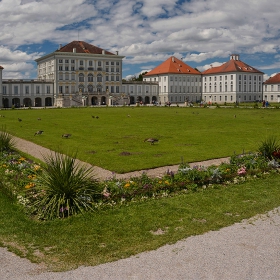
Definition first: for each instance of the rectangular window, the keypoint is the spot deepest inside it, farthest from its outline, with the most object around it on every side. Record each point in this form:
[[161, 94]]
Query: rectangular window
[[72, 68], [72, 61], [73, 77], [26, 89], [60, 61], [117, 63], [165, 79], [66, 61], [81, 62], [112, 69], [117, 78], [15, 89], [117, 89], [99, 63], [37, 89], [112, 89], [4, 90], [90, 63], [66, 68], [112, 78], [60, 68], [107, 78], [60, 89], [231, 77], [48, 89], [112, 63]]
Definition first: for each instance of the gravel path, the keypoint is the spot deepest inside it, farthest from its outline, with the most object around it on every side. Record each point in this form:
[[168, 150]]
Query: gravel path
[[247, 250]]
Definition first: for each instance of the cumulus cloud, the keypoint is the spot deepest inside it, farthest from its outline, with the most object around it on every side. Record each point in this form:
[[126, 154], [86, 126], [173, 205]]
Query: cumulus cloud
[[142, 30]]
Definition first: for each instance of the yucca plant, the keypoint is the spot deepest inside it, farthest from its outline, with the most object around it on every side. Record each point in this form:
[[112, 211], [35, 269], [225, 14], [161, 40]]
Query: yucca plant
[[7, 142], [65, 187], [269, 146]]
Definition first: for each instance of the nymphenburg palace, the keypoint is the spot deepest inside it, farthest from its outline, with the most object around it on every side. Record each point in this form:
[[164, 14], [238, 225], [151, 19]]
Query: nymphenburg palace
[[81, 74]]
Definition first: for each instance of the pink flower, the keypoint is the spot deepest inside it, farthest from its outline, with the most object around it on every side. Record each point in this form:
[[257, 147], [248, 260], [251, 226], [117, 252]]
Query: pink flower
[[241, 170]]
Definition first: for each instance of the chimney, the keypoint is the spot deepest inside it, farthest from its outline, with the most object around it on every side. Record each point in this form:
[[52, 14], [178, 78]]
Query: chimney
[[234, 57], [74, 50], [117, 52], [173, 60], [60, 46], [103, 52]]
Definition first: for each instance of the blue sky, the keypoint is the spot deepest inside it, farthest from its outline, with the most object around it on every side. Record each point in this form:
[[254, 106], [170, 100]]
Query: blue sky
[[146, 32]]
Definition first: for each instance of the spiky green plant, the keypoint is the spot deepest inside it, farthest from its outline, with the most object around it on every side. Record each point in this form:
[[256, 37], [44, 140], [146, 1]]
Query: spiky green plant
[[7, 142], [269, 146], [66, 187]]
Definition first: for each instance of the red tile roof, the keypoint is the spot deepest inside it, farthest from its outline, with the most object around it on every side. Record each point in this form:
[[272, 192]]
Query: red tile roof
[[273, 80], [173, 65], [232, 65], [82, 47]]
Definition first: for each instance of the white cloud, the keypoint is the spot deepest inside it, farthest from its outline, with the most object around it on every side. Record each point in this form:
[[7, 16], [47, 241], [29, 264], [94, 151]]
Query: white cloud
[[207, 66], [144, 30], [19, 70], [8, 55], [204, 56]]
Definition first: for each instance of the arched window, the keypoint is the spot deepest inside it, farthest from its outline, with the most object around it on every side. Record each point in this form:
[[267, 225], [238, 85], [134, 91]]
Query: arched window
[[81, 88], [99, 78], [90, 78], [81, 77], [99, 88], [90, 88]]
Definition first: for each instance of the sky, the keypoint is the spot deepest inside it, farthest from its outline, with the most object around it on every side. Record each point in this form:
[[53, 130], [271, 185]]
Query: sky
[[146, 32]]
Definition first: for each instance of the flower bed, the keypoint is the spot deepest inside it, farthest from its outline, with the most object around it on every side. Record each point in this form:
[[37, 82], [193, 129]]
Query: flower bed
[[38, 190]]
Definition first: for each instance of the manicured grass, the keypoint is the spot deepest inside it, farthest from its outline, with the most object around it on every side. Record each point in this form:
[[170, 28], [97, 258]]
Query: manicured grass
[[115, 141], [116, 233]]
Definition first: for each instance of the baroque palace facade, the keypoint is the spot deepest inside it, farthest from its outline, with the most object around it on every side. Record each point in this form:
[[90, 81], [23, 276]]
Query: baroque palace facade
[[81, 74]]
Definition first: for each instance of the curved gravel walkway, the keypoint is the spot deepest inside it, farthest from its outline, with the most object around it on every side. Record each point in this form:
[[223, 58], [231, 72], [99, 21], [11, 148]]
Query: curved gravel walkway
[[246, 250]]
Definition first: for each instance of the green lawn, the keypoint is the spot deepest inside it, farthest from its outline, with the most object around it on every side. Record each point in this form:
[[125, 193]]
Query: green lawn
[[115, 141], [108, 235]]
